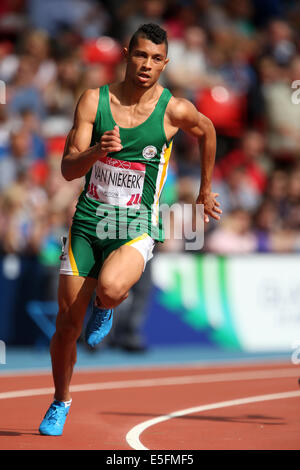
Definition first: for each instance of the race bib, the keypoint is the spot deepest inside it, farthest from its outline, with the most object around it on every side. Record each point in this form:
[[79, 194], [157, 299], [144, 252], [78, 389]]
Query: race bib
[[117, 182]]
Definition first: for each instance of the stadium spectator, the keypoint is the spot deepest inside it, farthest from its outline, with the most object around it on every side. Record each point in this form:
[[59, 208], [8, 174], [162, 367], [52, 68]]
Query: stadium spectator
[[282, 115], [18, 159], [188, 59], [291, 217], [237, 191], [22, 92], [135, 13], [234, 236], [60, 94], [36, 44], [251, 155]]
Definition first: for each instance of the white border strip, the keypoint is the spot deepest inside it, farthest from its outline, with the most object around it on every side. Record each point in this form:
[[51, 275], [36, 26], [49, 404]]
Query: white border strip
[[133, 436]]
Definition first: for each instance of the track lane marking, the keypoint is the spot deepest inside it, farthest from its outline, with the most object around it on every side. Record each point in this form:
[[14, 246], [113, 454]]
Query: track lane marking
[[205, 364], [159, 382], [133, 436]]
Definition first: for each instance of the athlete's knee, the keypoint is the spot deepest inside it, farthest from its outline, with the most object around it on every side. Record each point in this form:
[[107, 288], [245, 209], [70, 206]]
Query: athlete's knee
[[67, 327], [112, 293], [112, 302]]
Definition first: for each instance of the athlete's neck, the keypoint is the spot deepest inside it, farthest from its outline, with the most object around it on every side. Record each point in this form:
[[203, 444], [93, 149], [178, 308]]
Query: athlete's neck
[[130, 94]]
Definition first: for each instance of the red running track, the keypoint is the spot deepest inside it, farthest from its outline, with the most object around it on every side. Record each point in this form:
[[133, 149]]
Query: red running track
[[246, 406]]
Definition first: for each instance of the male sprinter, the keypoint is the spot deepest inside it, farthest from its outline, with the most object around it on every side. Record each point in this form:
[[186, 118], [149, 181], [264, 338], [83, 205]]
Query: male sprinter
[[121, 141]]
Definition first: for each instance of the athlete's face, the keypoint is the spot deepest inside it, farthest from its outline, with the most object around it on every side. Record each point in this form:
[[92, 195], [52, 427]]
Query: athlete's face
[[145, 62]]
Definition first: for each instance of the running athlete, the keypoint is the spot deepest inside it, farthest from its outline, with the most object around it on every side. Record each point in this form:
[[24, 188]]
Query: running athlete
[[121, 141]]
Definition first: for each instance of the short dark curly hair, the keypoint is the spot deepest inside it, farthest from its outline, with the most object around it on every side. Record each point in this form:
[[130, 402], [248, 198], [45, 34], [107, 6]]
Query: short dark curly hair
[[150, 31]]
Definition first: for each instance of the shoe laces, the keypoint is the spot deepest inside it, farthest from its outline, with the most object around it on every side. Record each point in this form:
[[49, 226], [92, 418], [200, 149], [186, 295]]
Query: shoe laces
[[101, 317], [53, 411]]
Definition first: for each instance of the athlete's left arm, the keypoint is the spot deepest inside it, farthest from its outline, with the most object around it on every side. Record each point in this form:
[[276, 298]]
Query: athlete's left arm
[[184, 115]]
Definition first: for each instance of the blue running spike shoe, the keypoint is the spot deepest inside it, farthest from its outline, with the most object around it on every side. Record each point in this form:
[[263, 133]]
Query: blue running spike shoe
[[54, 420], [99, 325]]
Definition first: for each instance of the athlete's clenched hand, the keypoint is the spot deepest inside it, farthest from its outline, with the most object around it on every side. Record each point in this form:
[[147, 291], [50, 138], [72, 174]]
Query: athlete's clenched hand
[[110, 141], [211, 205]]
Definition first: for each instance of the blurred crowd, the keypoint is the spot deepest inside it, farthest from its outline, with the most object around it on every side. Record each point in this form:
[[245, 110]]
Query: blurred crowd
[[235, 60]]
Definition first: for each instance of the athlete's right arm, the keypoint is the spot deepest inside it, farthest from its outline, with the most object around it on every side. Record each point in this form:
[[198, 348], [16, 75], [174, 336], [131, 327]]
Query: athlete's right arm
[[78, 156]]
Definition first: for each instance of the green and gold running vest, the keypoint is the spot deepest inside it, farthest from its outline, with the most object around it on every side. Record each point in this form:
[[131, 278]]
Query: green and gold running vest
[[129, 181]]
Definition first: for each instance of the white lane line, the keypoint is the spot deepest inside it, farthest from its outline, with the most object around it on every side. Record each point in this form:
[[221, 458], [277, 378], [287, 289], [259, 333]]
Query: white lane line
[[159, 382], [133, 436], [233, 363]]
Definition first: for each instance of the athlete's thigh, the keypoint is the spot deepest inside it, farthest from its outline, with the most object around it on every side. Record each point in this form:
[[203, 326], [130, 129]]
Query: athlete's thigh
[[74, 294], [79, 258], [124, 265]]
